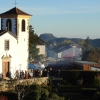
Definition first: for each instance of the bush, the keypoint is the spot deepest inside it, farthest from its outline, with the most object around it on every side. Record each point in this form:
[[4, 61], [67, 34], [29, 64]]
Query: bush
[[44, 93], [97, 82], [8, 95], [71, 76], [96, 96], [56, 97]]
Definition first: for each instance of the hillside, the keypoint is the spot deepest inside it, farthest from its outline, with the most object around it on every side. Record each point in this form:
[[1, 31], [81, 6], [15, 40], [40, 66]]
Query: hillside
[[47, 37], [96, 43], [50, 38]]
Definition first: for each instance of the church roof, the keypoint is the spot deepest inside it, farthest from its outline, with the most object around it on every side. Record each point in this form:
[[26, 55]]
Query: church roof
[[5, 31], [15, 11], [41, 42]]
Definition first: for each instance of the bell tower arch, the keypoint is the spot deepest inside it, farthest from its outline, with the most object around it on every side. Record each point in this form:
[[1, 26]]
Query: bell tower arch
[[9, 25]]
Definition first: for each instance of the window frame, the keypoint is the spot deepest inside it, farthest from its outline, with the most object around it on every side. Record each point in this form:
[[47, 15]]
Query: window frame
[[6, 44], [23, 25]]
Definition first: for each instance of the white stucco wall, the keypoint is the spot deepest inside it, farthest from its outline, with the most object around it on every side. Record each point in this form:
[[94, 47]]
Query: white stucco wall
[[18, 46], [23, 44], [42, 49], [12, 49]]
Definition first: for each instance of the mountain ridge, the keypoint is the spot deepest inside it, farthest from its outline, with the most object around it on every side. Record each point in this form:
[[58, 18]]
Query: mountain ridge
[[50, 38]]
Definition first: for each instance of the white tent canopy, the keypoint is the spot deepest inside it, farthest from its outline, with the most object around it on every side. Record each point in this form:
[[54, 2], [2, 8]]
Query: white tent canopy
[[40, 65]]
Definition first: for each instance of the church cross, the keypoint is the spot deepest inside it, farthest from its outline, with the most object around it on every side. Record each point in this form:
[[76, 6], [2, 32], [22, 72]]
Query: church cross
[[15, 3]]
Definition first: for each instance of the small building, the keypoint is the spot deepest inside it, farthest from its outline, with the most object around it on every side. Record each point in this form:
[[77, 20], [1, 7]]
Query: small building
[[41, 46], [86, 65]]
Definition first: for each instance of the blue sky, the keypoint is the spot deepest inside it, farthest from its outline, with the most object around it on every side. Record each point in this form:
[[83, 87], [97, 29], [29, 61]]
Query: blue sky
[[62, 18]]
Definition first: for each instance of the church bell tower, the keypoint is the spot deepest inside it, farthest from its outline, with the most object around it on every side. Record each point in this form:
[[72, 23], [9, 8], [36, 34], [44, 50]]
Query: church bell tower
[[16, 22]]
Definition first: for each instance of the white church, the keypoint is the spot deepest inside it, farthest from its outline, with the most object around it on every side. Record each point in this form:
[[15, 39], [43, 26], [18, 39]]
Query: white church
[[14, 40]]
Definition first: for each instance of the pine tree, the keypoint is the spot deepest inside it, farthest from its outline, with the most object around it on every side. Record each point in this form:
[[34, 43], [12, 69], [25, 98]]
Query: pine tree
[[88, 46], [33, 41]]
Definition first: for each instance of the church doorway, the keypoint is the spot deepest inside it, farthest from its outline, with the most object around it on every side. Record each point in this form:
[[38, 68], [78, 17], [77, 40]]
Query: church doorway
[[5, 65], [5, 68]]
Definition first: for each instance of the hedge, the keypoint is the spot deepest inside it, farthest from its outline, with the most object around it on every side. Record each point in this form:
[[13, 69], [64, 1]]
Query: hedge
[[71, 76]]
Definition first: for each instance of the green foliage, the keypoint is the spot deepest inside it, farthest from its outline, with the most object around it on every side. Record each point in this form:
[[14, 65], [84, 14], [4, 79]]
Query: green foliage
[[33, 38], [88, 91], [33, 41], [87, 45], [71, 76], [34, 93], [97, 82], [44, 93], [96, 96], [80, 42], [56, 97], [8, 95], [92, 55], [66, 41], [47, 88], [50, 82]]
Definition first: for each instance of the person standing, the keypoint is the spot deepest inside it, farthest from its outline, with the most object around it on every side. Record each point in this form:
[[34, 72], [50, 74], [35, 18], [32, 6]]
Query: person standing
[[31, 74], [26, 75]]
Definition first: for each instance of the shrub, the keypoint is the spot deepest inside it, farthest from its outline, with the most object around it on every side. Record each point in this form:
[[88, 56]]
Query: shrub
[[56, 97], [44, 93], [96, 96], [97, 82], [9, 95]]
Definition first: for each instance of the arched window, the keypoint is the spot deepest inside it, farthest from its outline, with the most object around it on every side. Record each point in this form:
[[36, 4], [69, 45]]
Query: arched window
[[9, 25], [23, 25]]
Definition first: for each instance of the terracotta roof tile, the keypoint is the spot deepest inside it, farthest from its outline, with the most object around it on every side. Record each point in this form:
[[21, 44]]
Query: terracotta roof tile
[[14, 11]]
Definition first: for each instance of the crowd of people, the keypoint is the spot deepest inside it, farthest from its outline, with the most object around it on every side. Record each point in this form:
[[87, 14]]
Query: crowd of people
[[52, 70], [32, 73]]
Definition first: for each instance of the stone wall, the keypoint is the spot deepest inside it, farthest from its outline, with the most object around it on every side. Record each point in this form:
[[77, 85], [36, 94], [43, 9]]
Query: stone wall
[[10, 84]]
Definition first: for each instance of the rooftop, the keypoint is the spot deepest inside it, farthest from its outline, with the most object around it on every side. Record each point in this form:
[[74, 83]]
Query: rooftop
[[85, 62], [5, 31], [15, 11]]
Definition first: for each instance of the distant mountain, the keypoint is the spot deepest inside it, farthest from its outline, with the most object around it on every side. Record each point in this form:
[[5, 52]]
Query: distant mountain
[[47, 37], [95, 43], [58, 40], [50, 38]]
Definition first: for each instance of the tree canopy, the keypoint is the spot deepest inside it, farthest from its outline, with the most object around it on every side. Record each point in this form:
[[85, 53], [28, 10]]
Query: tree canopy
[[92, 55], [33, 41], [87, 45]]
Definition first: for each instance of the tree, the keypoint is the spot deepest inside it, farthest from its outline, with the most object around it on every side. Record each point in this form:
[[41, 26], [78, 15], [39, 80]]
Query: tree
[[56, 97], [87, 45], [44, 93], [34, 93], [92, 55], [22, 89], [66, 41], [33, 41]]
